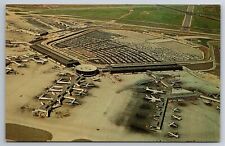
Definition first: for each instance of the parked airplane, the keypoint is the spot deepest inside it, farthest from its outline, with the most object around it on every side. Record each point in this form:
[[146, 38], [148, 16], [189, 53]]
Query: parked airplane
[[155, 77], [155, 91], [176, 110], [26, 56], [56, 105], [152, 98], [43, 59], [19, 64], [9, 70], [57, 87], [62, 82], [79, 89], [176, 117], [25, 60], [151, 128], [173, 125], [97, 79], [80, 93], [173, 134], [43, 97], [87, 85], [40, 61], [63, 74], [53, 107], [218, 108], [55, 90], [73, 100], [157, 116]]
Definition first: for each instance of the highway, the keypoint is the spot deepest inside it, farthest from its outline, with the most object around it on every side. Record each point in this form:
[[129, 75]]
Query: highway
[[188, 18]]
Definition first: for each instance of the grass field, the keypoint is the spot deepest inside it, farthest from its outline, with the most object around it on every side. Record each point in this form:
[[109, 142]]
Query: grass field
[[147, 15], [207, 25], [154, 16], [90, 13]]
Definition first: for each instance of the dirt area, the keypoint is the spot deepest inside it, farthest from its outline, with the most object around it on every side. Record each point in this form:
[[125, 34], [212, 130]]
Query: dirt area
[[24, 133], [15, 22], [18, 36], [20, 50]]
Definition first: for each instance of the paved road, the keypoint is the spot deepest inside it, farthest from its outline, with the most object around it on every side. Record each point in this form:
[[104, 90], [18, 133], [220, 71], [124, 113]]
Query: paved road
[[188, 18]]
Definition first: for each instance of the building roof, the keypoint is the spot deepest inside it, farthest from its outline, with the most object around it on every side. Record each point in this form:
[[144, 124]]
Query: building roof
[[86, 68]]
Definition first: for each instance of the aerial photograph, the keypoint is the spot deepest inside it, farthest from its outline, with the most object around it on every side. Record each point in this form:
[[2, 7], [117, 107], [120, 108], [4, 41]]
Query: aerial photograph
[[112, 73]]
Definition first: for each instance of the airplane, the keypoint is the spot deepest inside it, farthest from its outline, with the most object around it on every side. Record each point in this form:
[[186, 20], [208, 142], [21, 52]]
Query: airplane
[[73, 100], [79, 89], [152, 98], [154, 91], [8, 58], [14, 56], [173, 134], [176, 110], [157, 81], [53, 93], [57, 87], [76, 85], [43, 97], [207, 102], [43, 59], [173, 125], [55, 90], [53, 107], [218, 108], [62, 82], [80, 93], [63, 74], [151, 128], [155, 77], [39, 61], [156, 116], [87, 85], [9, 70], [159, 106], [25, 60], [175, 81], [22, 65], [56, 105], [26, 56], [97, 79], [180, 100], [176, 117], [18, 64]]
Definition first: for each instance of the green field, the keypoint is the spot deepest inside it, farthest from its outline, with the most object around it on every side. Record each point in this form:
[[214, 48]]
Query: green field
[[166, 16], [205, 24], [109, 13], [154, 16]]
